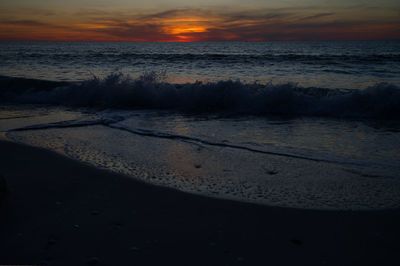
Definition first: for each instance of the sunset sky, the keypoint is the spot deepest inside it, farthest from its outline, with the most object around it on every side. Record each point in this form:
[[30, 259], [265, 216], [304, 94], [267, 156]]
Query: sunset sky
[[186, 20]]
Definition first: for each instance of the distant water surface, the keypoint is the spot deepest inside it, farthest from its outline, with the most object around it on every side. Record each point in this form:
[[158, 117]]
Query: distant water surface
[[330, 64]]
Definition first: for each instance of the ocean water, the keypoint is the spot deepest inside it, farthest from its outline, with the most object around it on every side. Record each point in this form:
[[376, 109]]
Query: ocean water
[[312, 125], [350, 65]]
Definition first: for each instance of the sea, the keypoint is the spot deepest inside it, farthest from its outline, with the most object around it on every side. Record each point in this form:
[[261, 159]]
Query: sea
[[310, 125]]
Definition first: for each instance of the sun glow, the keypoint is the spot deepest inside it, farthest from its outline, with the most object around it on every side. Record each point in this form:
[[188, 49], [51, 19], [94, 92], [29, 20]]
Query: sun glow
[[184, 29], [91, 26], [187, 29]]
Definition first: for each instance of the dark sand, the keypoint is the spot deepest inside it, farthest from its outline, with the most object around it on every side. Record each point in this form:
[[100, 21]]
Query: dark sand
[[60, 212]]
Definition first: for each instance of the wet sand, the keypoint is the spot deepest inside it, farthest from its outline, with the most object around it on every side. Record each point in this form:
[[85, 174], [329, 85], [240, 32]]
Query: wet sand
[[61, 212]]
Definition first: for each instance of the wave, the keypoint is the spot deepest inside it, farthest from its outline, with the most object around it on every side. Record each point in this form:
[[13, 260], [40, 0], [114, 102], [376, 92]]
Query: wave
[[216, 58], [150, 91], [112, 122]]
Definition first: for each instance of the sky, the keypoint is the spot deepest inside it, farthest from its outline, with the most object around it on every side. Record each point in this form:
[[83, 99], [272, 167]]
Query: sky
[[206, 20]]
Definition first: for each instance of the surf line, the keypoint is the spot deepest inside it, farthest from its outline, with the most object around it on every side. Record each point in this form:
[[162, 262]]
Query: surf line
[[112, 123], [149, 133], [17, 117]]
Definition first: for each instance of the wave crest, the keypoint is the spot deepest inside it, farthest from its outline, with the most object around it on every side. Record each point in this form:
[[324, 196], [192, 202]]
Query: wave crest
[[150, 91]]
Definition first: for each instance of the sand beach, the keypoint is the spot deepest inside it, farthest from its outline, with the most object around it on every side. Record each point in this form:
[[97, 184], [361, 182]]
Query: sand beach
[[58, 211]]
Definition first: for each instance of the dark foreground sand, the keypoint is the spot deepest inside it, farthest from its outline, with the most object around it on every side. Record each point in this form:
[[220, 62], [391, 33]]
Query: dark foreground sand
[[61, 212]]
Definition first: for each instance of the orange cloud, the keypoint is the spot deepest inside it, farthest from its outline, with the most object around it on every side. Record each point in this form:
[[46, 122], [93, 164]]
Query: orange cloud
[[202, 25]]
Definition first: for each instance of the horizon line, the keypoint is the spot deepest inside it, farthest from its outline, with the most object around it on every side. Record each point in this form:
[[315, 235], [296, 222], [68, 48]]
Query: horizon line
[[121, 41]]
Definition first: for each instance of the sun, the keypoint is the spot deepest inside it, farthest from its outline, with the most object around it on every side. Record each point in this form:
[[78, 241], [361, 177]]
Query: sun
[[185, 29]]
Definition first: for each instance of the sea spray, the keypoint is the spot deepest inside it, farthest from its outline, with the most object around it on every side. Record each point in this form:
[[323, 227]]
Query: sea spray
[[151, 91]]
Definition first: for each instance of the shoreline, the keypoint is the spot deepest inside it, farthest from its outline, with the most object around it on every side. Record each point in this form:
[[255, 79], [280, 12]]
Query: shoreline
[[59, 211], [196, 194]]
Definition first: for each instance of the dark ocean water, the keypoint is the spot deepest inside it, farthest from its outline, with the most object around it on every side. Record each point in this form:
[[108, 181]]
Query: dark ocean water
[[334, 64]]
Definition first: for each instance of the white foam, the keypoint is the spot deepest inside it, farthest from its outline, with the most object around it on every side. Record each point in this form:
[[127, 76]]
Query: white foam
[[175, 152], [150, 92]]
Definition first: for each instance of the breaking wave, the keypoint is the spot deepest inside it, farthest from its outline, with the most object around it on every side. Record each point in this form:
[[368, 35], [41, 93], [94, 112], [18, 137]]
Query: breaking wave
[[150, 91]]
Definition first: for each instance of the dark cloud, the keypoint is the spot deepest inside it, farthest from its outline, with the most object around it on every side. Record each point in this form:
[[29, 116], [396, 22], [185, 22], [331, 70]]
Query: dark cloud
[[319, 15], [99, 15], [326, 25], [35, 24], [170, 14], [256, 16], [23, 23], [136, 32]]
